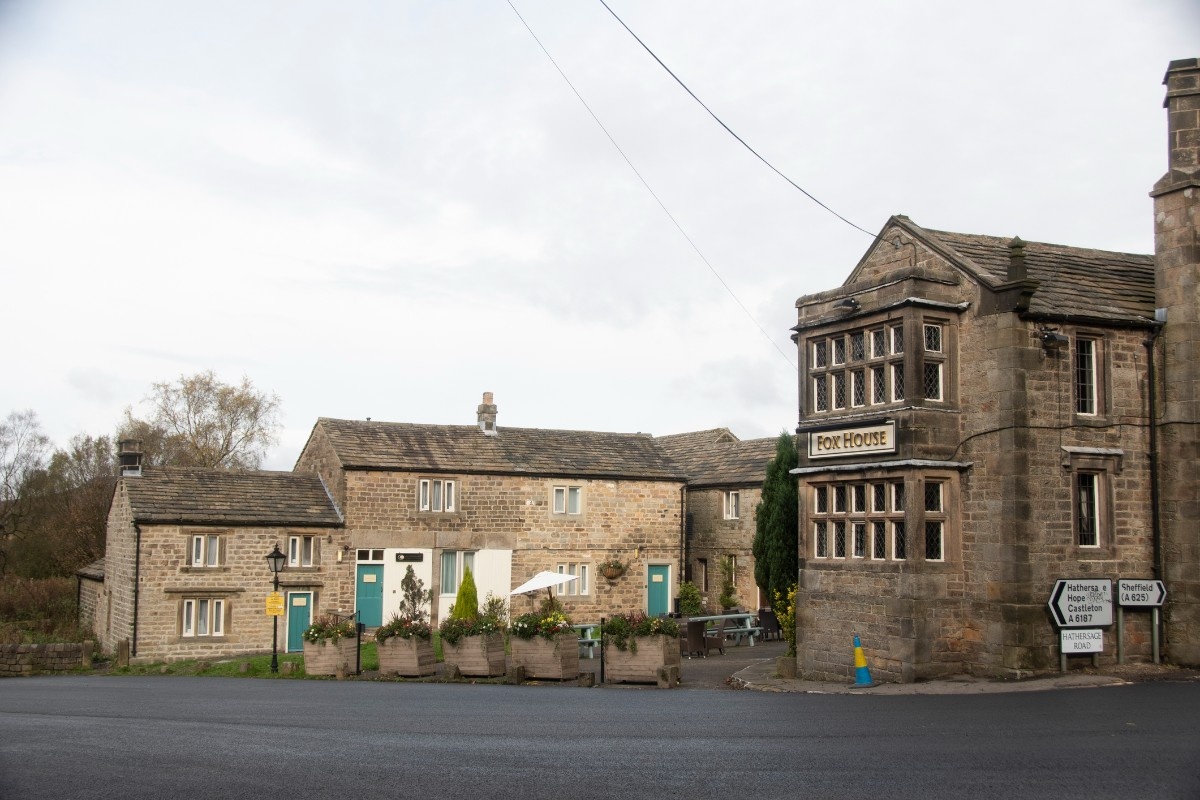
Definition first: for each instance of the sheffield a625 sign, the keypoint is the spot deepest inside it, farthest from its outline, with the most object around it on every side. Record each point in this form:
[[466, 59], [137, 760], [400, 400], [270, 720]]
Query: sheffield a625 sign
[[1082, 603]]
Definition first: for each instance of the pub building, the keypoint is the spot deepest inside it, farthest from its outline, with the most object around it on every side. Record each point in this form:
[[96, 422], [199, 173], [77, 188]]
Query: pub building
[[981, 416]]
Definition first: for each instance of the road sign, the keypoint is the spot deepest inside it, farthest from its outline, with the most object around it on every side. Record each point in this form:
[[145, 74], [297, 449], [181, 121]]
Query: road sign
[[275, 604], [1082, 603], [1086, 640], [1141, 593]]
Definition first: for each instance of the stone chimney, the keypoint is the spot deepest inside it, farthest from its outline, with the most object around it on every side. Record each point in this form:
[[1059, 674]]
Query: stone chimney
[[1016, 260], [129, 455], [486, 414], [1177, 275]]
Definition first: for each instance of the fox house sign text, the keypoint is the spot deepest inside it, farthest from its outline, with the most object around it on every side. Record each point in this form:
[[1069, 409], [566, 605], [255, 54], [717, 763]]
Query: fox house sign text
[[829, 443]]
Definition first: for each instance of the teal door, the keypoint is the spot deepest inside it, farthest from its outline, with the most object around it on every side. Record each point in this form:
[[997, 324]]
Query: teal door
[[299, 617], [658, 589], [369, 595]]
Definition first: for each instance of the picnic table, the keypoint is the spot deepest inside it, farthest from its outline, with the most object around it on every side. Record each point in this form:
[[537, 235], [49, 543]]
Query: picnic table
[[738, 626], [589, 638]]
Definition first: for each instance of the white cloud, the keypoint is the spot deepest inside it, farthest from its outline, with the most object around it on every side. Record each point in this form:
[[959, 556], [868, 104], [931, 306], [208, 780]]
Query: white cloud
[[384, 210]]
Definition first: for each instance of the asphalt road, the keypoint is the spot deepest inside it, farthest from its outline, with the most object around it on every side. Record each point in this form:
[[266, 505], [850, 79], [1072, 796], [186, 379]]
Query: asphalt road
[[173, 737]]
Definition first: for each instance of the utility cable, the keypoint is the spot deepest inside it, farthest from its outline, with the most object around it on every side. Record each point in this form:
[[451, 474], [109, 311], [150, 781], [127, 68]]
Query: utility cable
[[658, 200], [730, 130]]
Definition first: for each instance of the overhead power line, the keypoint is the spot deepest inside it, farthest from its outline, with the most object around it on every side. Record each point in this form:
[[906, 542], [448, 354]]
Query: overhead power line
[[727, 128], [649, 189]]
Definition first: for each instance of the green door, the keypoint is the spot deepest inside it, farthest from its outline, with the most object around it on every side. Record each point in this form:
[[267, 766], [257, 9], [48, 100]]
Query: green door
[[369, 595], [658, 590], [299, 617]]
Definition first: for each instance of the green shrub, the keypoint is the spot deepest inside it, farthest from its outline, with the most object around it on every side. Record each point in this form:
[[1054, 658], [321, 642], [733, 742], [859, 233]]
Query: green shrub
[[329, 628], [623, 629], [39, 611], [728, 598], [690, 602], [466, 602], [785, 611]]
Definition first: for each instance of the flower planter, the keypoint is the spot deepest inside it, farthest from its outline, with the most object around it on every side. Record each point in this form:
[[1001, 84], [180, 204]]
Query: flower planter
[[476, 656], [555, 659], [612, 573], [325, 658], [409, 658], [653, 652]]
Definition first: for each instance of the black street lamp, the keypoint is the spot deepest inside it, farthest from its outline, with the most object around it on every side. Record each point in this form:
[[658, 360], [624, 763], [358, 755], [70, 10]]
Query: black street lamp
[[275, 561]]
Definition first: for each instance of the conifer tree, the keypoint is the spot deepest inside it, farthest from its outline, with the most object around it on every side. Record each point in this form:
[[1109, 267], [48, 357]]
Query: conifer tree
[[775, 548], [466, 602]]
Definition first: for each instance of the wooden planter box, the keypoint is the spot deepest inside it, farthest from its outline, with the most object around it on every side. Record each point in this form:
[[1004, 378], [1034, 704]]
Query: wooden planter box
[[556, 659], [324, 659], [476, 656], [410, 658], [652, 653]]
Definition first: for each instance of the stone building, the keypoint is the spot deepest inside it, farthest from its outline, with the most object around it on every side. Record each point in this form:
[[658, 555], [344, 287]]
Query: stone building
[[506, 502], [978, 419], [185, 572], [724, 486]]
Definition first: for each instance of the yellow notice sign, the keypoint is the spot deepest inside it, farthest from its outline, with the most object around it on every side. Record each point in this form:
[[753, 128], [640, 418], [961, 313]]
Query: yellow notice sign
[[275, 604]]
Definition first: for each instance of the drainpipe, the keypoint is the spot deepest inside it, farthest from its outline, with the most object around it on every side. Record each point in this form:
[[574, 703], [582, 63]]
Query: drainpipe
[[137, 571], [1155, 523], [682, 532]]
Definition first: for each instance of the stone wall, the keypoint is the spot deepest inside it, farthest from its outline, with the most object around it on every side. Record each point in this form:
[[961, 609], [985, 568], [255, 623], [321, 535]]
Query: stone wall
[[30, 659], [638, 522], [113, 615], [241, 581], [1177, 255], [713, 536], [1006, 438]]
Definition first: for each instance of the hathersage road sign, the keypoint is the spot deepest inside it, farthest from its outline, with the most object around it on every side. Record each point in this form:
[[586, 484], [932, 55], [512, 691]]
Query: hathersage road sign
[[1082, 603], [1141, 593], [1090, 640]]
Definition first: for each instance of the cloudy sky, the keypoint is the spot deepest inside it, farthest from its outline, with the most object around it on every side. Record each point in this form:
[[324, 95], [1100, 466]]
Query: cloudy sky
[[384, 209]]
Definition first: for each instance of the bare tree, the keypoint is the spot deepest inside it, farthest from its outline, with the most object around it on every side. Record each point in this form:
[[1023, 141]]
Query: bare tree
[[74, 505], [23, 449], [198, 421]]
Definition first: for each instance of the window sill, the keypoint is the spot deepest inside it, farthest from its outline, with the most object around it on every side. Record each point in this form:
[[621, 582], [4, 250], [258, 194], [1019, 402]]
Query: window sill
[[203, 570]]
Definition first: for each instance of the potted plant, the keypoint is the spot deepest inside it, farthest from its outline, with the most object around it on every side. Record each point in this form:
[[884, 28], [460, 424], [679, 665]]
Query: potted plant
[[612, 568], [636, 647], [545, 644], [690, 601], [728, 598], [405, 643], [472, 643], [330, 644]]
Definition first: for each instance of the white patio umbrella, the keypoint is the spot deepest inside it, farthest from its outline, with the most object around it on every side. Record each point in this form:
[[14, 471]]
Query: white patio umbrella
[[543, 580]]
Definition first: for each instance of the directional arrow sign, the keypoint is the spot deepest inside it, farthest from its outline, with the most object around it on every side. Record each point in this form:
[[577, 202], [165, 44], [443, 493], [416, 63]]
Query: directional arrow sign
[[1141, 593], [1082, 603]]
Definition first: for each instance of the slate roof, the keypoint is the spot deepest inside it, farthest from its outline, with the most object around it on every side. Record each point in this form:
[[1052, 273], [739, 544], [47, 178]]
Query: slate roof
[[363, 444], [718, 458], [94, 570], [199, 497], [1075, 281]]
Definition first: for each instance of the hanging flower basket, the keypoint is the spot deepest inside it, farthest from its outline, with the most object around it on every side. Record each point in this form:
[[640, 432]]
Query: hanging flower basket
[[612, 569]]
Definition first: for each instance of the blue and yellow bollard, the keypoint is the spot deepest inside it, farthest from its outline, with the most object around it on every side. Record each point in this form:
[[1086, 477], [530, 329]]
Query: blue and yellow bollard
[[862, 675]]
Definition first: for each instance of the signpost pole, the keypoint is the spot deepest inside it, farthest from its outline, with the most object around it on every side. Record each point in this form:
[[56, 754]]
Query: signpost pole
[[1154, 632], [1120, 634]]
